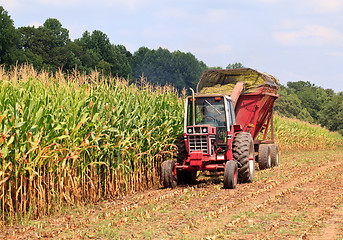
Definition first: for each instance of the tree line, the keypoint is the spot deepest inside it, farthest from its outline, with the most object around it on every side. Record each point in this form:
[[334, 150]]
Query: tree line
[[308, 102], [49, 47]]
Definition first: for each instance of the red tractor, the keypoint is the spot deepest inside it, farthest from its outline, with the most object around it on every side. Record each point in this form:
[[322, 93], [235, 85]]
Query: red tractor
[[226, 131]]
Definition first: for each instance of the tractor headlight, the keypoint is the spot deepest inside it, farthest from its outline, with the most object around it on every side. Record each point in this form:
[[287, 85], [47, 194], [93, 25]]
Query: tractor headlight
[[189, 130], [204, 130]]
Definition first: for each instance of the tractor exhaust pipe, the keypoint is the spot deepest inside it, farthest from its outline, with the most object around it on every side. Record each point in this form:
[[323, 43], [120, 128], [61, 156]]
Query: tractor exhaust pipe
[[193, 106]]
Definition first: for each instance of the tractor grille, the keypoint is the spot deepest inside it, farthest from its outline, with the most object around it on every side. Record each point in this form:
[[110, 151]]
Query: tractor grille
[[198, 143]]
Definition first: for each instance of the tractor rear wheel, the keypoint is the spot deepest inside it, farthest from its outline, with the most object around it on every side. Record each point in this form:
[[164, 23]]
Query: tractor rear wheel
[[244, 154], [274, 155], [169, 176], [230, 175], [264, 158]]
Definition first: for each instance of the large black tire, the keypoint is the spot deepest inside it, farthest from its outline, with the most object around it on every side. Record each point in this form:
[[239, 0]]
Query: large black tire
[[274, 155], [180, 152], [243, 152], [264, 158], [230, 175], [169, 179]]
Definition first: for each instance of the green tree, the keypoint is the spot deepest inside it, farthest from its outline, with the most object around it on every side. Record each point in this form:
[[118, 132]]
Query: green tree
[[81, 60], [305, 101], [161, 66], [87, 57], [33, 42], [288, 104], [138, 68], [9, 39], [59, 35], [305, 116], [110, 59], [100, 44], [235, 65], [214, 68], [331, 115], [188, 68], [46, 46], [121, 65], [104, 67], [312, 98]]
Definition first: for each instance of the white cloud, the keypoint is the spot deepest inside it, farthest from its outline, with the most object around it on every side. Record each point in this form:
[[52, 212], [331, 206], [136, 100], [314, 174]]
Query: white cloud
[[174, 13], [195, 18], [268, 1], [213, 55], [11, 5], [288, 23], [76, 30], [224, 48], [336, 54], [35, 24], [129, 4], [218, 49], [159, 33], [313, 35], [326, 6], [59, 2], [216, 15]]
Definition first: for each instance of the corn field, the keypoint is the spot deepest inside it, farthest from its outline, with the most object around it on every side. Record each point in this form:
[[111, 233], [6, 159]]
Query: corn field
[[293, 134], [75, 139], [79, 138]]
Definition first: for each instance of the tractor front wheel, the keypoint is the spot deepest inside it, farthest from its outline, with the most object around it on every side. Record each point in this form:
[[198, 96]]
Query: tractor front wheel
[[230, 174], [169, 176]]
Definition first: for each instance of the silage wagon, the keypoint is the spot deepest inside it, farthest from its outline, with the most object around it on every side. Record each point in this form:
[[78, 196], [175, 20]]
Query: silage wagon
[[228, 126]]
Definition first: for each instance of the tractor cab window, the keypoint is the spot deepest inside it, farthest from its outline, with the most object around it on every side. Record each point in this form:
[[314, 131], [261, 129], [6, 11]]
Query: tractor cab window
[[208, 111], [231, 112]]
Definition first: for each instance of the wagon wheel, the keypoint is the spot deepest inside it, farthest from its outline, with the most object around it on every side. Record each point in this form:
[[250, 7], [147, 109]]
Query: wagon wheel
[[274, 155], [230, 175], [264, 157], [169, 176]]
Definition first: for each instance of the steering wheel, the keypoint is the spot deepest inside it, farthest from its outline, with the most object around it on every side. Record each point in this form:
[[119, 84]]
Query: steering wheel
[[209, 118]]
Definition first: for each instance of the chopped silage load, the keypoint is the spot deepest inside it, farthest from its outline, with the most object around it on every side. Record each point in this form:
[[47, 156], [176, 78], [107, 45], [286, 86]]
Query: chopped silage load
[[223, 81]]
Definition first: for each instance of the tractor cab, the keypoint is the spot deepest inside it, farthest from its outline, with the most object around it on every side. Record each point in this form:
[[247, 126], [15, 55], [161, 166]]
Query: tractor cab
[[208, 129]]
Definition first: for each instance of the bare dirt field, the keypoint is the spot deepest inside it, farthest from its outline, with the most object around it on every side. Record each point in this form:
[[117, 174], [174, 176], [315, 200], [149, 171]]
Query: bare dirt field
[[300, 199]]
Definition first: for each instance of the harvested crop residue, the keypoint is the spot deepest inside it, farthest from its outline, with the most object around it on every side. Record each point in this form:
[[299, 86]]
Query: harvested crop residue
[[302, 198]]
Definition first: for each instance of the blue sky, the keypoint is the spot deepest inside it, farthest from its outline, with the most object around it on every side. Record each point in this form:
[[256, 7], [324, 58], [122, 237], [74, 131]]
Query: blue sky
[[291, 39]]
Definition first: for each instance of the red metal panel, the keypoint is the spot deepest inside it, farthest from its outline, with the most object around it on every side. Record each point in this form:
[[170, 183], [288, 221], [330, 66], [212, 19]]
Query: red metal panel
[[196, 158], [246, 108], [236, 92], [254, 111]]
